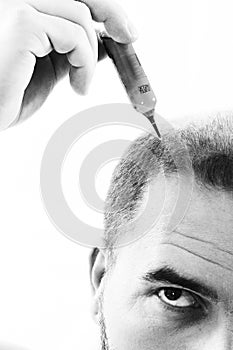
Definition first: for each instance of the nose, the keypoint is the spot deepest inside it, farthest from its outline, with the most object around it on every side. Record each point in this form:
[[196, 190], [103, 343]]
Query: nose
[[229, 333], [222, 338], [221, 335], [229, 328]]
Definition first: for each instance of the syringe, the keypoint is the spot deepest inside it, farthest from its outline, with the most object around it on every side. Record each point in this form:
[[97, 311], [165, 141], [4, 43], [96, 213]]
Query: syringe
[[132, 76]]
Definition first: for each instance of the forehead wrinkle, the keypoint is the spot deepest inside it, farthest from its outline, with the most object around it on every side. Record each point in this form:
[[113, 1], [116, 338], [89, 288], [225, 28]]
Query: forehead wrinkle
[[214, 245], [198, 255]]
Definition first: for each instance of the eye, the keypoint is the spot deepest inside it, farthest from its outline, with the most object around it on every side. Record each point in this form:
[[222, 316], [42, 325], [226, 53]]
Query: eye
[[178, 297]]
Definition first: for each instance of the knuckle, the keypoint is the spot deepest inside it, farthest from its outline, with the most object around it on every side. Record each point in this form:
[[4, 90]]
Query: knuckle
[[78, 33], [21, 16], [26, 43], [70, 40], [84, 10], [20, 24], [64, 47]]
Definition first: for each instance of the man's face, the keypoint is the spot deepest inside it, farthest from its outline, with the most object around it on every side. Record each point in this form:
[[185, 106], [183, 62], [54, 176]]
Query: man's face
[[175, 291]]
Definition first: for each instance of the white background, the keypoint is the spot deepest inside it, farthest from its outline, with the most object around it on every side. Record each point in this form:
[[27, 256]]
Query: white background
[[186, 48]]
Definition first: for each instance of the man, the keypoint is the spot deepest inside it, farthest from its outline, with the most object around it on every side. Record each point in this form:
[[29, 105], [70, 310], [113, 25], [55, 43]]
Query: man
[[169, 289]]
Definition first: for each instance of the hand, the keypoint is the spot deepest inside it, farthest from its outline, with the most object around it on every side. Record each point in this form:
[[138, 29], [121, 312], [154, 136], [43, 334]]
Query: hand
[[43, 40]]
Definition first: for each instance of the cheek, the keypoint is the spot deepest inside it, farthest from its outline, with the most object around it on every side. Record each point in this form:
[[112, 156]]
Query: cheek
[[126, 331], [138, 326], [128, 326]]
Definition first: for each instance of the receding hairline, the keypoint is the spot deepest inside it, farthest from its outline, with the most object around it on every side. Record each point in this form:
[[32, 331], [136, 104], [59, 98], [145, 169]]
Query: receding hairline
[[210, 148]]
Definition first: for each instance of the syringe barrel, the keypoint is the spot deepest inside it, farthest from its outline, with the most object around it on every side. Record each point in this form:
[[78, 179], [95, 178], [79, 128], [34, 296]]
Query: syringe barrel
[[131, 74]]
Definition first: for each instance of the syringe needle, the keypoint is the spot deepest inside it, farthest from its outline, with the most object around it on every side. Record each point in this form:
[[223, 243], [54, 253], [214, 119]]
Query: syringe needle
[[133, 77], [155, 127], [150, 116]]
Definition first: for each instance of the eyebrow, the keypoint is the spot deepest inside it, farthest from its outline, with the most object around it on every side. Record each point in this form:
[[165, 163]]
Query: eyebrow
[[170, 275]]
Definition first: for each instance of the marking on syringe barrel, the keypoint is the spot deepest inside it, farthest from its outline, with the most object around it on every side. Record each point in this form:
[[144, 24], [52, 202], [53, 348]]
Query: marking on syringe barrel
[[143, 89]]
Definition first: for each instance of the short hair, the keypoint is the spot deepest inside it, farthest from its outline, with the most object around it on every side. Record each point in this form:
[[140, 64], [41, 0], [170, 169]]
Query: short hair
[[210, 149]]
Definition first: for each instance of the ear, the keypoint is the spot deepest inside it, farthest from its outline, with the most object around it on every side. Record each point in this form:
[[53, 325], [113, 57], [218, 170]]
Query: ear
[[97, 271]]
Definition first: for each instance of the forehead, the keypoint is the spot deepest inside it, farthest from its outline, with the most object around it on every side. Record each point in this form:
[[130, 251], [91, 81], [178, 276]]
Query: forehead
[[209, 216], [201, 246]]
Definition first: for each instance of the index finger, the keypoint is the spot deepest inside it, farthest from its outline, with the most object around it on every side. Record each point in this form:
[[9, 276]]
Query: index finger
[[115, 20]]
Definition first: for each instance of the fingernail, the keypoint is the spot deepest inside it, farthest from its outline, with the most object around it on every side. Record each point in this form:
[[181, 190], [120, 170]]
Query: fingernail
[[132, 30]]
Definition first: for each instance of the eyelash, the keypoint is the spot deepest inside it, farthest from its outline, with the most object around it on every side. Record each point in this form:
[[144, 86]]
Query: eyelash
[[198, 303]]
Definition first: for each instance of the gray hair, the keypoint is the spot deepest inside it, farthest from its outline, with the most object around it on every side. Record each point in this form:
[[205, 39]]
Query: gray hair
[[210, 148]]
